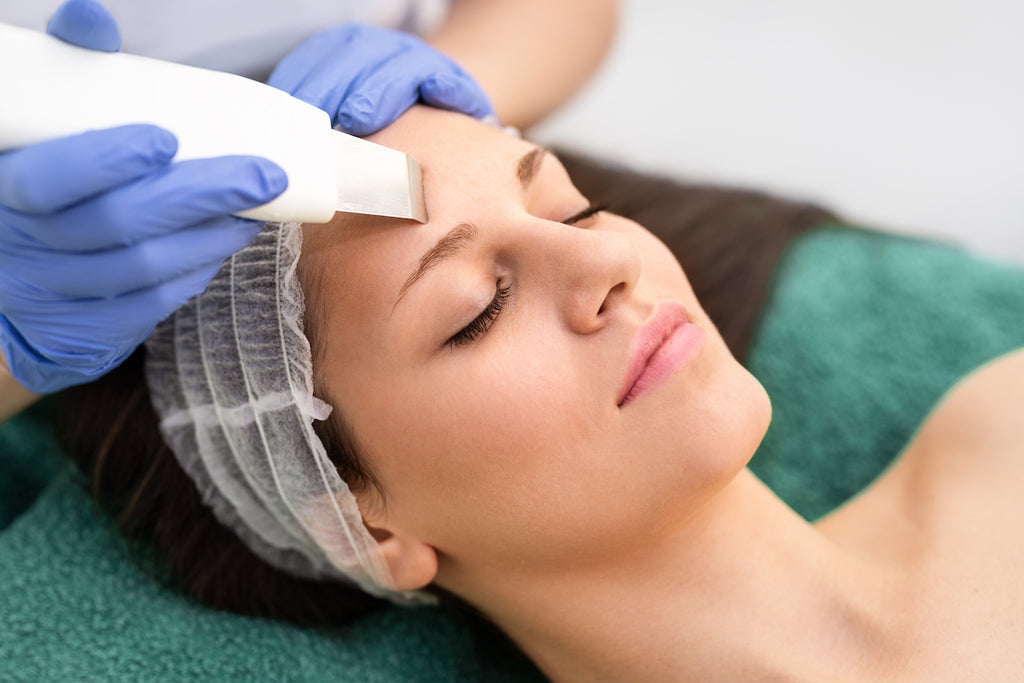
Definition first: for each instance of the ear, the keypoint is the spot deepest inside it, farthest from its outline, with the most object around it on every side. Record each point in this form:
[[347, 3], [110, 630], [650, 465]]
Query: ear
[[412, 563]]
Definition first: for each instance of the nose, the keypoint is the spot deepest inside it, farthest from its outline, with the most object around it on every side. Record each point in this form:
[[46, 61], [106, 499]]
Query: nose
[[590, 273]]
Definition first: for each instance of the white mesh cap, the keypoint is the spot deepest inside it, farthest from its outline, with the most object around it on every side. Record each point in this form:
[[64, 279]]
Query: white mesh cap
[[231, 378]]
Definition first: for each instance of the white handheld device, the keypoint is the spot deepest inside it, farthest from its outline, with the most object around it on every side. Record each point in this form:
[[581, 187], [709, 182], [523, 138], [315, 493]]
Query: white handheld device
[[53, 89]]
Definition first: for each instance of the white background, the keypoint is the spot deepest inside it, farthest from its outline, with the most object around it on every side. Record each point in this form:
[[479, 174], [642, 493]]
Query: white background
[[900, 114]]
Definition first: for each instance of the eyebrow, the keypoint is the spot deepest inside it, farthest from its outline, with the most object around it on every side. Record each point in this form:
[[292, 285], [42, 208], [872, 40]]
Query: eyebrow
[[463, 234], [528, 165], [457, 239]]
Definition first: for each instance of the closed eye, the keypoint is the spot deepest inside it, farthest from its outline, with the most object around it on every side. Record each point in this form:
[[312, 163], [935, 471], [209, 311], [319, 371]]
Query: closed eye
[[584, 214], [482, 322]]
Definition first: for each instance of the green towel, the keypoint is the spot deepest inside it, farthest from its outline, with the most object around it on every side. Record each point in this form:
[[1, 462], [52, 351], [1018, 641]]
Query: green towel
[[29, 460], [862, 334]]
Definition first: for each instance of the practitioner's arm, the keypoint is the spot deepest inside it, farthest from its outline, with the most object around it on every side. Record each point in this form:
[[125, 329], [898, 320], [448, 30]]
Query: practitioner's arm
[[13, 397], [528, 55]]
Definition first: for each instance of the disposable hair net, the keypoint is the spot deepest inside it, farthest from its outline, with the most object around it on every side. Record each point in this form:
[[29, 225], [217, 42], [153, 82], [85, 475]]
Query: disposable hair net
[[231, 378]]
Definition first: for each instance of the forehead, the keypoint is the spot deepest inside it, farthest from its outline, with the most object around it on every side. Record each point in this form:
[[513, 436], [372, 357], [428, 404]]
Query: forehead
[[450, 146], [467, 167]]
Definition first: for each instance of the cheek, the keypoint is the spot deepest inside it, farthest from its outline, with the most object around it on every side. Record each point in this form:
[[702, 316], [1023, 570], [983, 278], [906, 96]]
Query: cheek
[[489, 419], [495, 446]]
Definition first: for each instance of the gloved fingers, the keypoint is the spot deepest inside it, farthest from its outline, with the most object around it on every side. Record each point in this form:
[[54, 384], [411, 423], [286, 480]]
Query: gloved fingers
[[380, 96], [456, 92], [49, 176], [295, 68], [164, 300], [85, 23], [77, 351], [357, 52], [179, 195], [33, 371], [149, 307], [289, 73], [143, 265], [366, 76], [145, 308]]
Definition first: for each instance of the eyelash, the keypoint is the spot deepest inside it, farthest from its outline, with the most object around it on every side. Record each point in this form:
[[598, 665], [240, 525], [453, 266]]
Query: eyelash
[[482, 322], [585, 214]]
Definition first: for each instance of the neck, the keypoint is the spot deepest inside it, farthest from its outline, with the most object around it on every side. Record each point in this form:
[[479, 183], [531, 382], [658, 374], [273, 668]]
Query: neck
[[744, 589]]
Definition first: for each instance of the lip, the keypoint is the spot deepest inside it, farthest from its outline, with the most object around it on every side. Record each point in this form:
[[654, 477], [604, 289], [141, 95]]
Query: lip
[[665, 342]]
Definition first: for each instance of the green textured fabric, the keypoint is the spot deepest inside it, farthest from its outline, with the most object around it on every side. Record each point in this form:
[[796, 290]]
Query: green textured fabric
[[862, 335], [29, 459]]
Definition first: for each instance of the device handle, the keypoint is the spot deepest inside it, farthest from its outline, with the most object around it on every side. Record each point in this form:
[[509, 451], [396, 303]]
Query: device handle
[[52, 89]]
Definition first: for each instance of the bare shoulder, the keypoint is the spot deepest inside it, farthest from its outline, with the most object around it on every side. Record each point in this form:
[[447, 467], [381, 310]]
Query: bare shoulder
[[965, 490], [949, 511], [983, 412], [969, 450], [968, 457]]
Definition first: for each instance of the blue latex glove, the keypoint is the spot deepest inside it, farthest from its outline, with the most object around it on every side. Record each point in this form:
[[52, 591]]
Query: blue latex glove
[[366, 76], [101, 237]]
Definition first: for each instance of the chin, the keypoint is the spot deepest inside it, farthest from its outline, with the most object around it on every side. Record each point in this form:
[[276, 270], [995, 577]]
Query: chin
[[735, 418]]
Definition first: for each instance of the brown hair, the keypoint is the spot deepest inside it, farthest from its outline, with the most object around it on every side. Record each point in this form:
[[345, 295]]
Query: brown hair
[[729, 242]]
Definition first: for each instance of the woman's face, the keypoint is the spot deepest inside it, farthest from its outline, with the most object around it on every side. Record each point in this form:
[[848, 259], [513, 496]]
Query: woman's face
[[480, 361]]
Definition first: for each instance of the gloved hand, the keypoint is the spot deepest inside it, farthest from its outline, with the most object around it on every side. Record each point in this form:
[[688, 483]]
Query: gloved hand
[[366, 76], [101, 237]]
